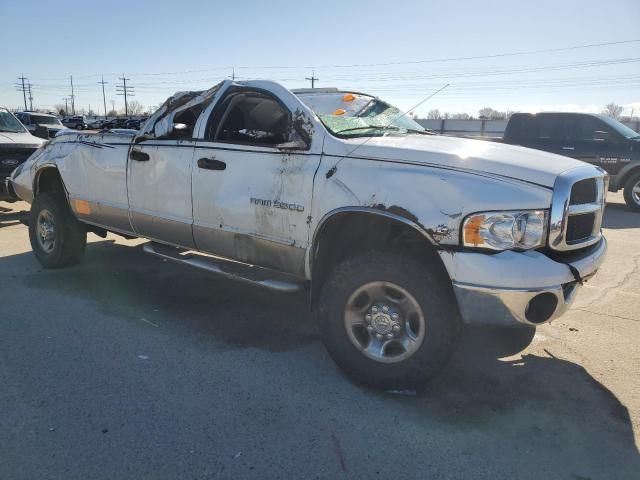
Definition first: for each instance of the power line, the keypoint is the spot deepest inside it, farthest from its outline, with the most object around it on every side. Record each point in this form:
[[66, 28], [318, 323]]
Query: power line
[[361, 65]]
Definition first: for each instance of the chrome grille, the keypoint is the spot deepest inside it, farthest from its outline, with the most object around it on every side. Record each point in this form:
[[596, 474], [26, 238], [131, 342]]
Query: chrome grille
[[577, 208]]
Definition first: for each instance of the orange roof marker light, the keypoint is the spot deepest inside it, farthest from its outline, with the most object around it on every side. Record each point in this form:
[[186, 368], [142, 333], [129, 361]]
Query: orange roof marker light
[[340, 111], [348, 97]]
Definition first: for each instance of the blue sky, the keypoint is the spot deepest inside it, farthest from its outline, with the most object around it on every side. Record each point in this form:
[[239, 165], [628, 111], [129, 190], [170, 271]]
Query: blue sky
[[166, 46]]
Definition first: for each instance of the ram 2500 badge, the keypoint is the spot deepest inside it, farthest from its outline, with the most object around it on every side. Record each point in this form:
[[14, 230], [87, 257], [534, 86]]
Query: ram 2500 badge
[[399, 236]]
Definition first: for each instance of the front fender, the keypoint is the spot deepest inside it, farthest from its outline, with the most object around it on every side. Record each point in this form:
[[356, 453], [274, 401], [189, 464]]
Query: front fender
[[434, 200]]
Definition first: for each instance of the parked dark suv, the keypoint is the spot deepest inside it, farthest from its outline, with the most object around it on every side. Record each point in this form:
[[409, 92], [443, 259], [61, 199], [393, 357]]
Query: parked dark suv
[[78, 122], [596, 139]]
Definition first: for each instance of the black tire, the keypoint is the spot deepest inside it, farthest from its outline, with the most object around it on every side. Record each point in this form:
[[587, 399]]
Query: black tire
[[429, 288], [632, 181], [69, 235]]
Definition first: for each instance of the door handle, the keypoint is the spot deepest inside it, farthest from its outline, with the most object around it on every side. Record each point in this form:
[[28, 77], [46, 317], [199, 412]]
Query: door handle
[[568, 148], [211, 164], [138, 156]]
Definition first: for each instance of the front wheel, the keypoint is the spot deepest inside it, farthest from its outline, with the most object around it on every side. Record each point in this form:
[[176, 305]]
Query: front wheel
[[632, 191], [57, 238], [388, 321]]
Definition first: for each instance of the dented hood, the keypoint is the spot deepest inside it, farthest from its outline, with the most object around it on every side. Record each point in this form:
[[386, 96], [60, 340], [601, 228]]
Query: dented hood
[[479, 156]]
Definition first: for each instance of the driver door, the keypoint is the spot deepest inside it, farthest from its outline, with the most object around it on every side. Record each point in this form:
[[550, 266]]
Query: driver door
[[252, 196]]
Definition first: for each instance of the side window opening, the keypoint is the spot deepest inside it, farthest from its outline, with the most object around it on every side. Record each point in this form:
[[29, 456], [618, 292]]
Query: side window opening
[[185, 122], [250, 118], [591, 130]]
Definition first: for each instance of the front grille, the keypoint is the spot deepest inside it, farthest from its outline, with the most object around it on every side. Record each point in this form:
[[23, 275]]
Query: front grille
[[580, 227], [577, 209], [11, 157], [584, 191]]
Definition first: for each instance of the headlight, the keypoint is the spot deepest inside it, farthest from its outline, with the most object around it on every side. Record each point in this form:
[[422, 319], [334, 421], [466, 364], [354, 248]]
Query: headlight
[[505, 230]]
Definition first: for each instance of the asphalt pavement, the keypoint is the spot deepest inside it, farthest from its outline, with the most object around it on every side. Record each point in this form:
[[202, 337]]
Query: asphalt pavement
[[129, 367]]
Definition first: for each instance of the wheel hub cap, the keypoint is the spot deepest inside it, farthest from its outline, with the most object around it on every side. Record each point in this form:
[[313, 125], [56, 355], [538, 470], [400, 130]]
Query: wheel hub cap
[[383, 320], [46, 230]]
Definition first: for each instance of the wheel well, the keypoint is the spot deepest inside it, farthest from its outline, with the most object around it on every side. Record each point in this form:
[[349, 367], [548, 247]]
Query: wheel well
[[48, 180], [349, 233], [627, 175]]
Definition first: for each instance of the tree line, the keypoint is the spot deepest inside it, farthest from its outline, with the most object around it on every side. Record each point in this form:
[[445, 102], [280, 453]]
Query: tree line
[[612, 110]]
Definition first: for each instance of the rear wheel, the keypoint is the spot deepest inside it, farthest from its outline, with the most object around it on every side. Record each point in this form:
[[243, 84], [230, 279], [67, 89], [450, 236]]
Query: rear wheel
[[57, 238], [632, 191], [388, 321]]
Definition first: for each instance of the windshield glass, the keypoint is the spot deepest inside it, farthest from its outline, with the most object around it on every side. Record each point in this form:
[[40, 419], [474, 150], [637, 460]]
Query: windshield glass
[[9, 123], [44, 120], [348, 114], [620, 127]]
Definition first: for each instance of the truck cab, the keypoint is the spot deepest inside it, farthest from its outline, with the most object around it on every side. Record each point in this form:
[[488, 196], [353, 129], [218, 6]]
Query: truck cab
[[592, 138]]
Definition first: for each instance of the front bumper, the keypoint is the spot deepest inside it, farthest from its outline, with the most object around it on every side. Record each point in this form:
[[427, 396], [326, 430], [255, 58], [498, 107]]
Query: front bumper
[[518, 289]]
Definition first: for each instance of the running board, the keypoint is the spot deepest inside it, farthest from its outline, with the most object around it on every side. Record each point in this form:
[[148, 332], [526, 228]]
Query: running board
[[228, 268]]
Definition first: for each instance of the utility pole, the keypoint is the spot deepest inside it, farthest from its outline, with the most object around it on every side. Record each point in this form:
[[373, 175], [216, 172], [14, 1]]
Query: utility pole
[[125, 90], [23, 88], [73, 98], [66, 107], [313, 79], [104, 99], [233, 74], [30, 96]]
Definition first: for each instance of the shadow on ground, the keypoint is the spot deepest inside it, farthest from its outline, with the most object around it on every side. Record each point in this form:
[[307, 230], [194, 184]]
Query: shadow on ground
[[619, 216], [551, 404], [10, 217]]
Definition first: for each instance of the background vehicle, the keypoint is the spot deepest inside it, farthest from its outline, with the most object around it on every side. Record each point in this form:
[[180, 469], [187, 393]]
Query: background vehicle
[[592, 138], [135, 123], [78, 122], [16, 145], [399, 235], [97, 123], [115, 123], [41, 124]]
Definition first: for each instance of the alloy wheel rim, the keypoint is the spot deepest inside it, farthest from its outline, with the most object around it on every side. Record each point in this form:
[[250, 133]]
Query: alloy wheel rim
[[635, 192], [384, 322], [46, 230]]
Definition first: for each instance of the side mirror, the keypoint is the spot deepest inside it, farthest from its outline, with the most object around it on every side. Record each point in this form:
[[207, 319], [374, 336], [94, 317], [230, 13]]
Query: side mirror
[[142, 138], [292, 145]]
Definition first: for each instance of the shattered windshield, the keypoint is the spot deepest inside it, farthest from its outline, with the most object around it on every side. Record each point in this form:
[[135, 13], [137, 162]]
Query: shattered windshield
[[9, 123], [348, 114]]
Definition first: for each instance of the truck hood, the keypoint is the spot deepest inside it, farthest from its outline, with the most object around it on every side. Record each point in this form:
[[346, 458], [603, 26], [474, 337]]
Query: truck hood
[[479, 156], [22, 138]]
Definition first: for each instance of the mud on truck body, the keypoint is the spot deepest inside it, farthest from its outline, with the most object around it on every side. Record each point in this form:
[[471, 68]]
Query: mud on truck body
[[400, 236]]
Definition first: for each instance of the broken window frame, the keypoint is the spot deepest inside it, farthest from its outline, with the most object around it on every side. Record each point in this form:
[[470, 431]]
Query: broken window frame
[[161, 124], [217, 116]]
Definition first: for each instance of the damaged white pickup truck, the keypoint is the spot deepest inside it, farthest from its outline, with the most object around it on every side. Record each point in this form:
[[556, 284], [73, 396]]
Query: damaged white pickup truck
[[399, 235]]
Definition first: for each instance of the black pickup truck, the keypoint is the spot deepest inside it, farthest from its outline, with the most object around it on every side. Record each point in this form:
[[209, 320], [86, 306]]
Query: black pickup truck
[[592, 138]]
